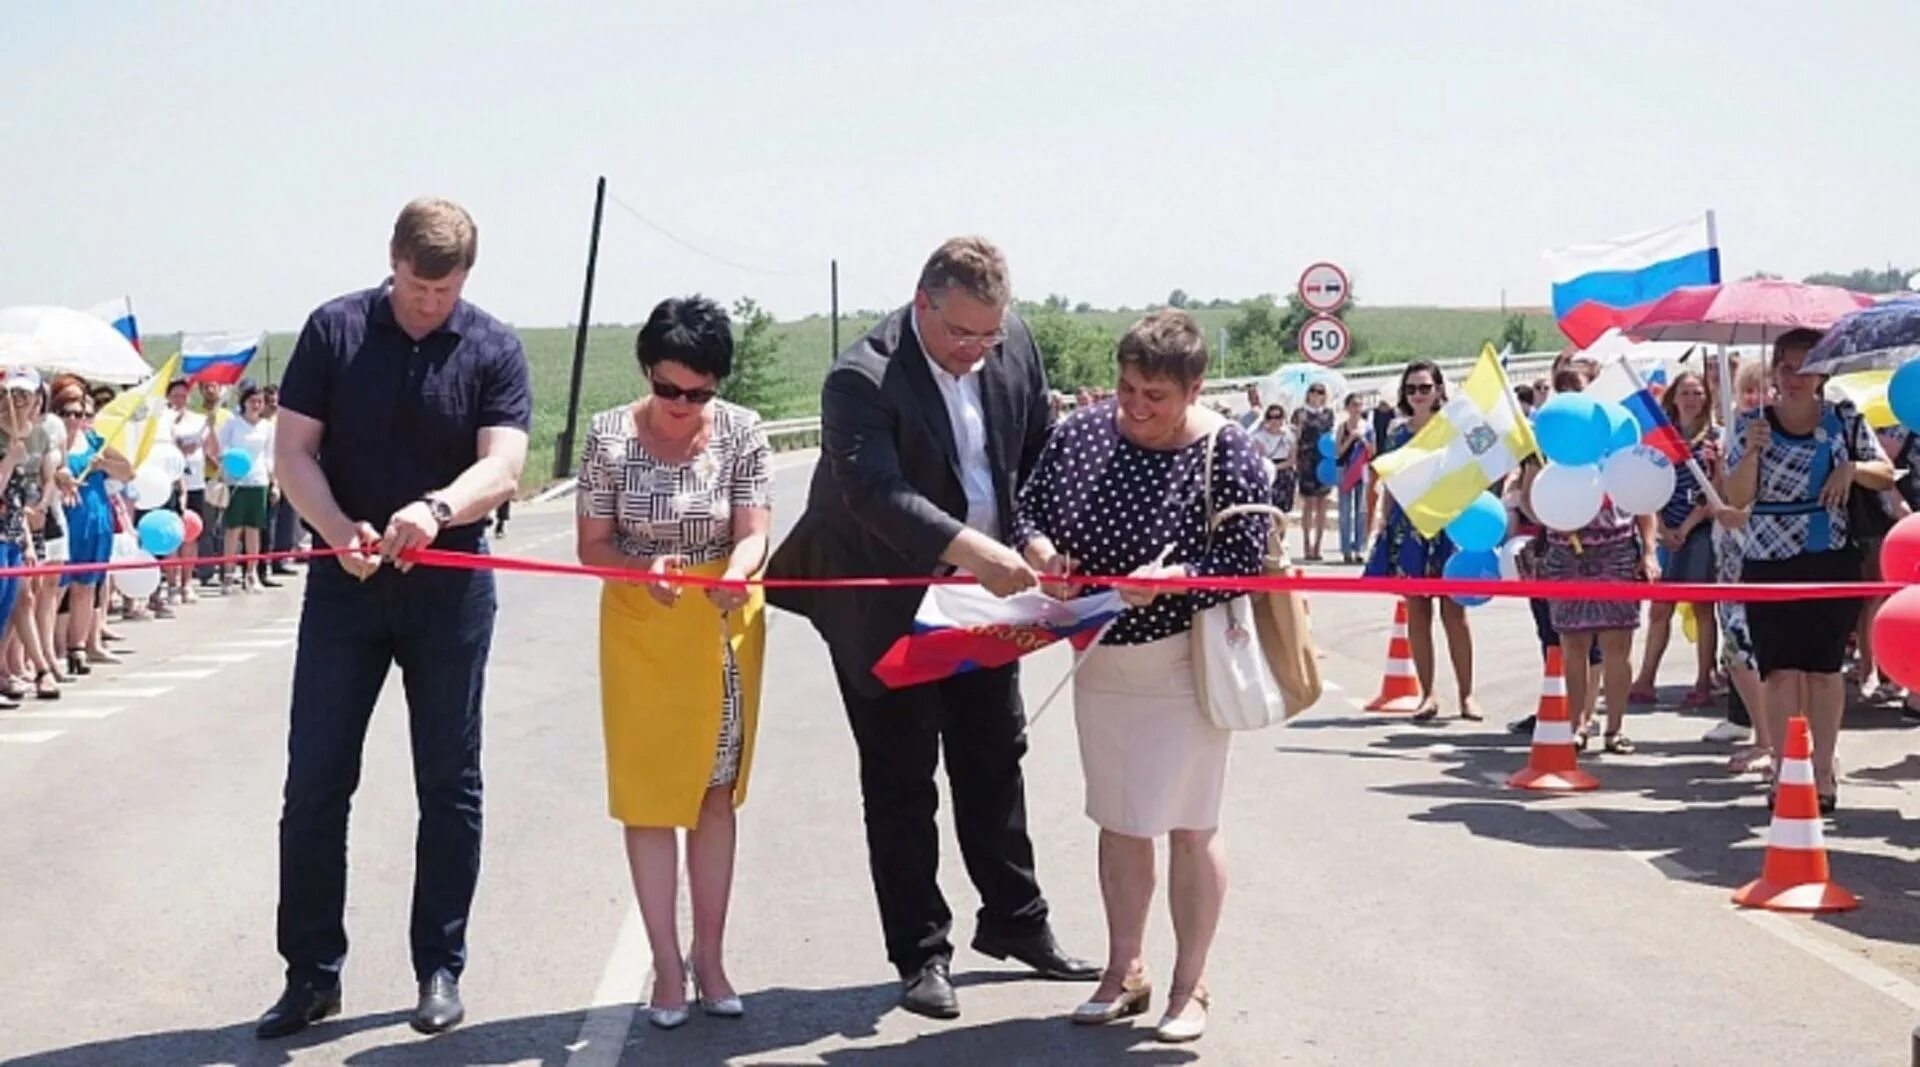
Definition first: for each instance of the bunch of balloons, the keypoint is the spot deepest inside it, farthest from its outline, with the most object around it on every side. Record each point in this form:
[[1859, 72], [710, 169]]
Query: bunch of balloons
[[152, 485], [1476, 533], [1326, 471], [1594, 452], [1896, 626]]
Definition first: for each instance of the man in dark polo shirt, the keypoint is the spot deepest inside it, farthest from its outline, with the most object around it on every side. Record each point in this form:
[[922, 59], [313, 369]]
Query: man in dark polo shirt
[[403, 423]]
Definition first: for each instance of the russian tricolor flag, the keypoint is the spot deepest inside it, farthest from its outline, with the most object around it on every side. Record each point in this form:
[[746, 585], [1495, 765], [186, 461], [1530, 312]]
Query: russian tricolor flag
[[217, 357], [1616, 383], [1597, 287], [120, 314], [962, 628]]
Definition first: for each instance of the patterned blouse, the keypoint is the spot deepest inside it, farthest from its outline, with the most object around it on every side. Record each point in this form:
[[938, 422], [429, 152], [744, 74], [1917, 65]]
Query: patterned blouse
[[679, 508], [1788, 519]]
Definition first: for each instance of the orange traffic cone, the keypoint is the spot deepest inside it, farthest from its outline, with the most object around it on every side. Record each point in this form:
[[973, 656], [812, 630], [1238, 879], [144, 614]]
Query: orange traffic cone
[[1400, 689], [1553, 764], [1794, 875]]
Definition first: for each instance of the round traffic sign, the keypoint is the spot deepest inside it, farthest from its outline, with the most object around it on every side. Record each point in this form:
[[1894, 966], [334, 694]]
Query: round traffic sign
[[1324, 288], [1325, 340]]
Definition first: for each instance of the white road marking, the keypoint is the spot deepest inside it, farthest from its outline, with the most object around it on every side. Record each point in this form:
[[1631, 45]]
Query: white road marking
[[1869, 974], [1495, 778], [603, 1033], [1577, 819], [1673, 868], [1332, 686], [29, 737], [66, 713], [132, 692], [216, 657], [173, 676]]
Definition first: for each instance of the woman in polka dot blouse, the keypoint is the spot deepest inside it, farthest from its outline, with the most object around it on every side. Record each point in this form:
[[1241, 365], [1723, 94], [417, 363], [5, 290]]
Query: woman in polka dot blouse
[[1118, 491]]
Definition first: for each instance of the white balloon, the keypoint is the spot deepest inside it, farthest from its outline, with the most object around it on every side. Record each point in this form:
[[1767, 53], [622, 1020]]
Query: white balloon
[[1567, 498], [1510, 558], [125, 546], [151, 487], [141, 582], [1639, 479], [167, 457]]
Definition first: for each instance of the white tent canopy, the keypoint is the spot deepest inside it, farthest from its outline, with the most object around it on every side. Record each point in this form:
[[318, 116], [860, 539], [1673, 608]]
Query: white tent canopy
[[61, 339]]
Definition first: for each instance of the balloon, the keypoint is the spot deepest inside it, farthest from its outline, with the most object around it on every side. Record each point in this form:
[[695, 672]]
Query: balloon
[[194, 527], [1900, 552], [236, 465], [161, 533], [1566, 497], [1480, 527], [1903, 395], [1571, 429], [151, 488], [139, 583], [1896, 637], [1326, 471], [124, 546], [1510, 558], [1639, 479], [168, 458], [1326, 445], [1622, 431], [1474, 566]]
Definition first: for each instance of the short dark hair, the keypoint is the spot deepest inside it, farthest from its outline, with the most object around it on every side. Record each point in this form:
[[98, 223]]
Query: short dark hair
[[1569, 381], [1798, 340], [1166, 344], [1524, 393], [248, 391], [692, 331], [178, 383], [1439, 384]]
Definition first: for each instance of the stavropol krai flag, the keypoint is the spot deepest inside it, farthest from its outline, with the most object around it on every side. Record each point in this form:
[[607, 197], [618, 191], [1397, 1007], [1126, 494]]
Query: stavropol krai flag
[[120, 314], [1616, 383], [129, 420], [963, 627], [1607, 285], [1479, 437], [217, 357]]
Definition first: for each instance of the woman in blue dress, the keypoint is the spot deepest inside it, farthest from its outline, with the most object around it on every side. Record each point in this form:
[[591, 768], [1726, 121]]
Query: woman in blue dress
[[89, 463], [1399, 551]]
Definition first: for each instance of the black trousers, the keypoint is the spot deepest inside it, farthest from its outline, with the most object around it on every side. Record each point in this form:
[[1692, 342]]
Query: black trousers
[[437, 626], [978, 719]]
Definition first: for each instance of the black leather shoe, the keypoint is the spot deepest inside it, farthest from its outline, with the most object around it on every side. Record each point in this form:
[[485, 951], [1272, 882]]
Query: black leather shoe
[[929, 992], [1040, 952], [440, 1008], [299, 1007]]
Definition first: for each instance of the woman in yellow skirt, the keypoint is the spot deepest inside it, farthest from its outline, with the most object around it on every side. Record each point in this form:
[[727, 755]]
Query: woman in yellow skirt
[[677, 483]]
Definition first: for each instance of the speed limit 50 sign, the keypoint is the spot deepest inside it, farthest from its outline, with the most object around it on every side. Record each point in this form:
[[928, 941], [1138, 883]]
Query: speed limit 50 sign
[[1325, 340]]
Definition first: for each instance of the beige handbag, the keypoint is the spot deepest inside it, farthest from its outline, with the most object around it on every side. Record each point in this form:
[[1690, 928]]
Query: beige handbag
[[1254, 659]]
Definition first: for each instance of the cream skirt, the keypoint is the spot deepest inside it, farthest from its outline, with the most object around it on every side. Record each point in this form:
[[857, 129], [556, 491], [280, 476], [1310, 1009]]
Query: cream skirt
[[1153, 760]]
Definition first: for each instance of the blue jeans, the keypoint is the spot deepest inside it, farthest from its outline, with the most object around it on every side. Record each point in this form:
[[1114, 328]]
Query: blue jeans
[[1353, 519], [438, 626]]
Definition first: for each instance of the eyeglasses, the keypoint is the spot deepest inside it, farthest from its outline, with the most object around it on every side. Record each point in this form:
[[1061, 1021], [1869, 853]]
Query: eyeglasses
[[1421, 389], [1275, 416], [74, 415], [967, 338], [670, 391]]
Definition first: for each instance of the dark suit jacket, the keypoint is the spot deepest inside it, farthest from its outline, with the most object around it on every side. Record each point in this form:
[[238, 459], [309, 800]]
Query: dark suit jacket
[[886, 497]]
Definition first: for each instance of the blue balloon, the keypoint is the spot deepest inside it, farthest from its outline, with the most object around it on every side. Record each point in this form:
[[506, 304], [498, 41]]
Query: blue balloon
[[1903, 395], [162, 532], [1327, 473], [1623, 431], [1472, 566], [1326, 445], [1572, 430], [1481, 527], [236, 465]]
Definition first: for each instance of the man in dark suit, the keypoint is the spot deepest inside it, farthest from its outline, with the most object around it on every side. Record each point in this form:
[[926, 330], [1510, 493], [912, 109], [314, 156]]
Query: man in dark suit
[[929, 424]]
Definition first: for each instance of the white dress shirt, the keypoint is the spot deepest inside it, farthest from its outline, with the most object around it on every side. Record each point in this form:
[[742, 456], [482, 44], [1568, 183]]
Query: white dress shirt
[[969, 421]]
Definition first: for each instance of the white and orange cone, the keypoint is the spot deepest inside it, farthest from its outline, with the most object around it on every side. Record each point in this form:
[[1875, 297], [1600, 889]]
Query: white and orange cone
[[1553, 764], [1400, 688], [1794, 875]]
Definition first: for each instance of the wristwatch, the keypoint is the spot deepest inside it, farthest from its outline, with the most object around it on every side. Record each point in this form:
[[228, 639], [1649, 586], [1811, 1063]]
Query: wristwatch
[[442, 512]]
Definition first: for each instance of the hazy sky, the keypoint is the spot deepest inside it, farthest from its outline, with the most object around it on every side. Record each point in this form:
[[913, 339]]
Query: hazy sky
[[233, 165]]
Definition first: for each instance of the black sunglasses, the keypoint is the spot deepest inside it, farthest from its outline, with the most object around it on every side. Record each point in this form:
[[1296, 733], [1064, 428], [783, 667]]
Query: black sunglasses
[[1421, 389], [70, 414], [670, 391]]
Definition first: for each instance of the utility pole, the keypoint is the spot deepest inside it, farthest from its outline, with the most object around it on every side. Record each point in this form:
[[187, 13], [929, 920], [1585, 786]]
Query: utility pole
[[563, 445], [833, 274]]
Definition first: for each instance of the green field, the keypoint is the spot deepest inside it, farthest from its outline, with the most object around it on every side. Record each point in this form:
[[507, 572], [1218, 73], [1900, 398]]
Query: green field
[[1389, 335]]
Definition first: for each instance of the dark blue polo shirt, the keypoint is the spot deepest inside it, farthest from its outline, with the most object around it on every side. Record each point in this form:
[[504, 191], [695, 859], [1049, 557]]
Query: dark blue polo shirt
[[403, 416]]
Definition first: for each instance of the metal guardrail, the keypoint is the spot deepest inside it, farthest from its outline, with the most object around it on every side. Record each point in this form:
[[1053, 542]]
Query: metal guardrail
[[788, 434]]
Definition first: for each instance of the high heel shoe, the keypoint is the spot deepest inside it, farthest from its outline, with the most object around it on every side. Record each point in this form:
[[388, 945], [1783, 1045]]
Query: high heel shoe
[[723, 1008], [672, 1018], [1136, 996], [77, 664], [1176, 1029]]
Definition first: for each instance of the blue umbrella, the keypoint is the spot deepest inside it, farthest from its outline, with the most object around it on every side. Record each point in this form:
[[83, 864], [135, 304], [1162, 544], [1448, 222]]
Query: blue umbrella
[[1884, 335]]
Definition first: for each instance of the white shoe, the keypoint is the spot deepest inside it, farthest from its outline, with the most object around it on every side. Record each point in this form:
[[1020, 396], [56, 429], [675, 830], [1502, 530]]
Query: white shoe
[[672, 1018], [1726, 732], [723, 1008], [1188, 1025]]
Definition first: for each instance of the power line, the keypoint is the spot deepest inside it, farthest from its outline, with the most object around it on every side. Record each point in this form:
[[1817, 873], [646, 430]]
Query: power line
[[697, 250]]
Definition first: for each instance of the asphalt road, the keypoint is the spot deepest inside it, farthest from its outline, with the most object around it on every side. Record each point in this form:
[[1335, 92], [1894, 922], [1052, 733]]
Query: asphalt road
[[1389, 903]]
